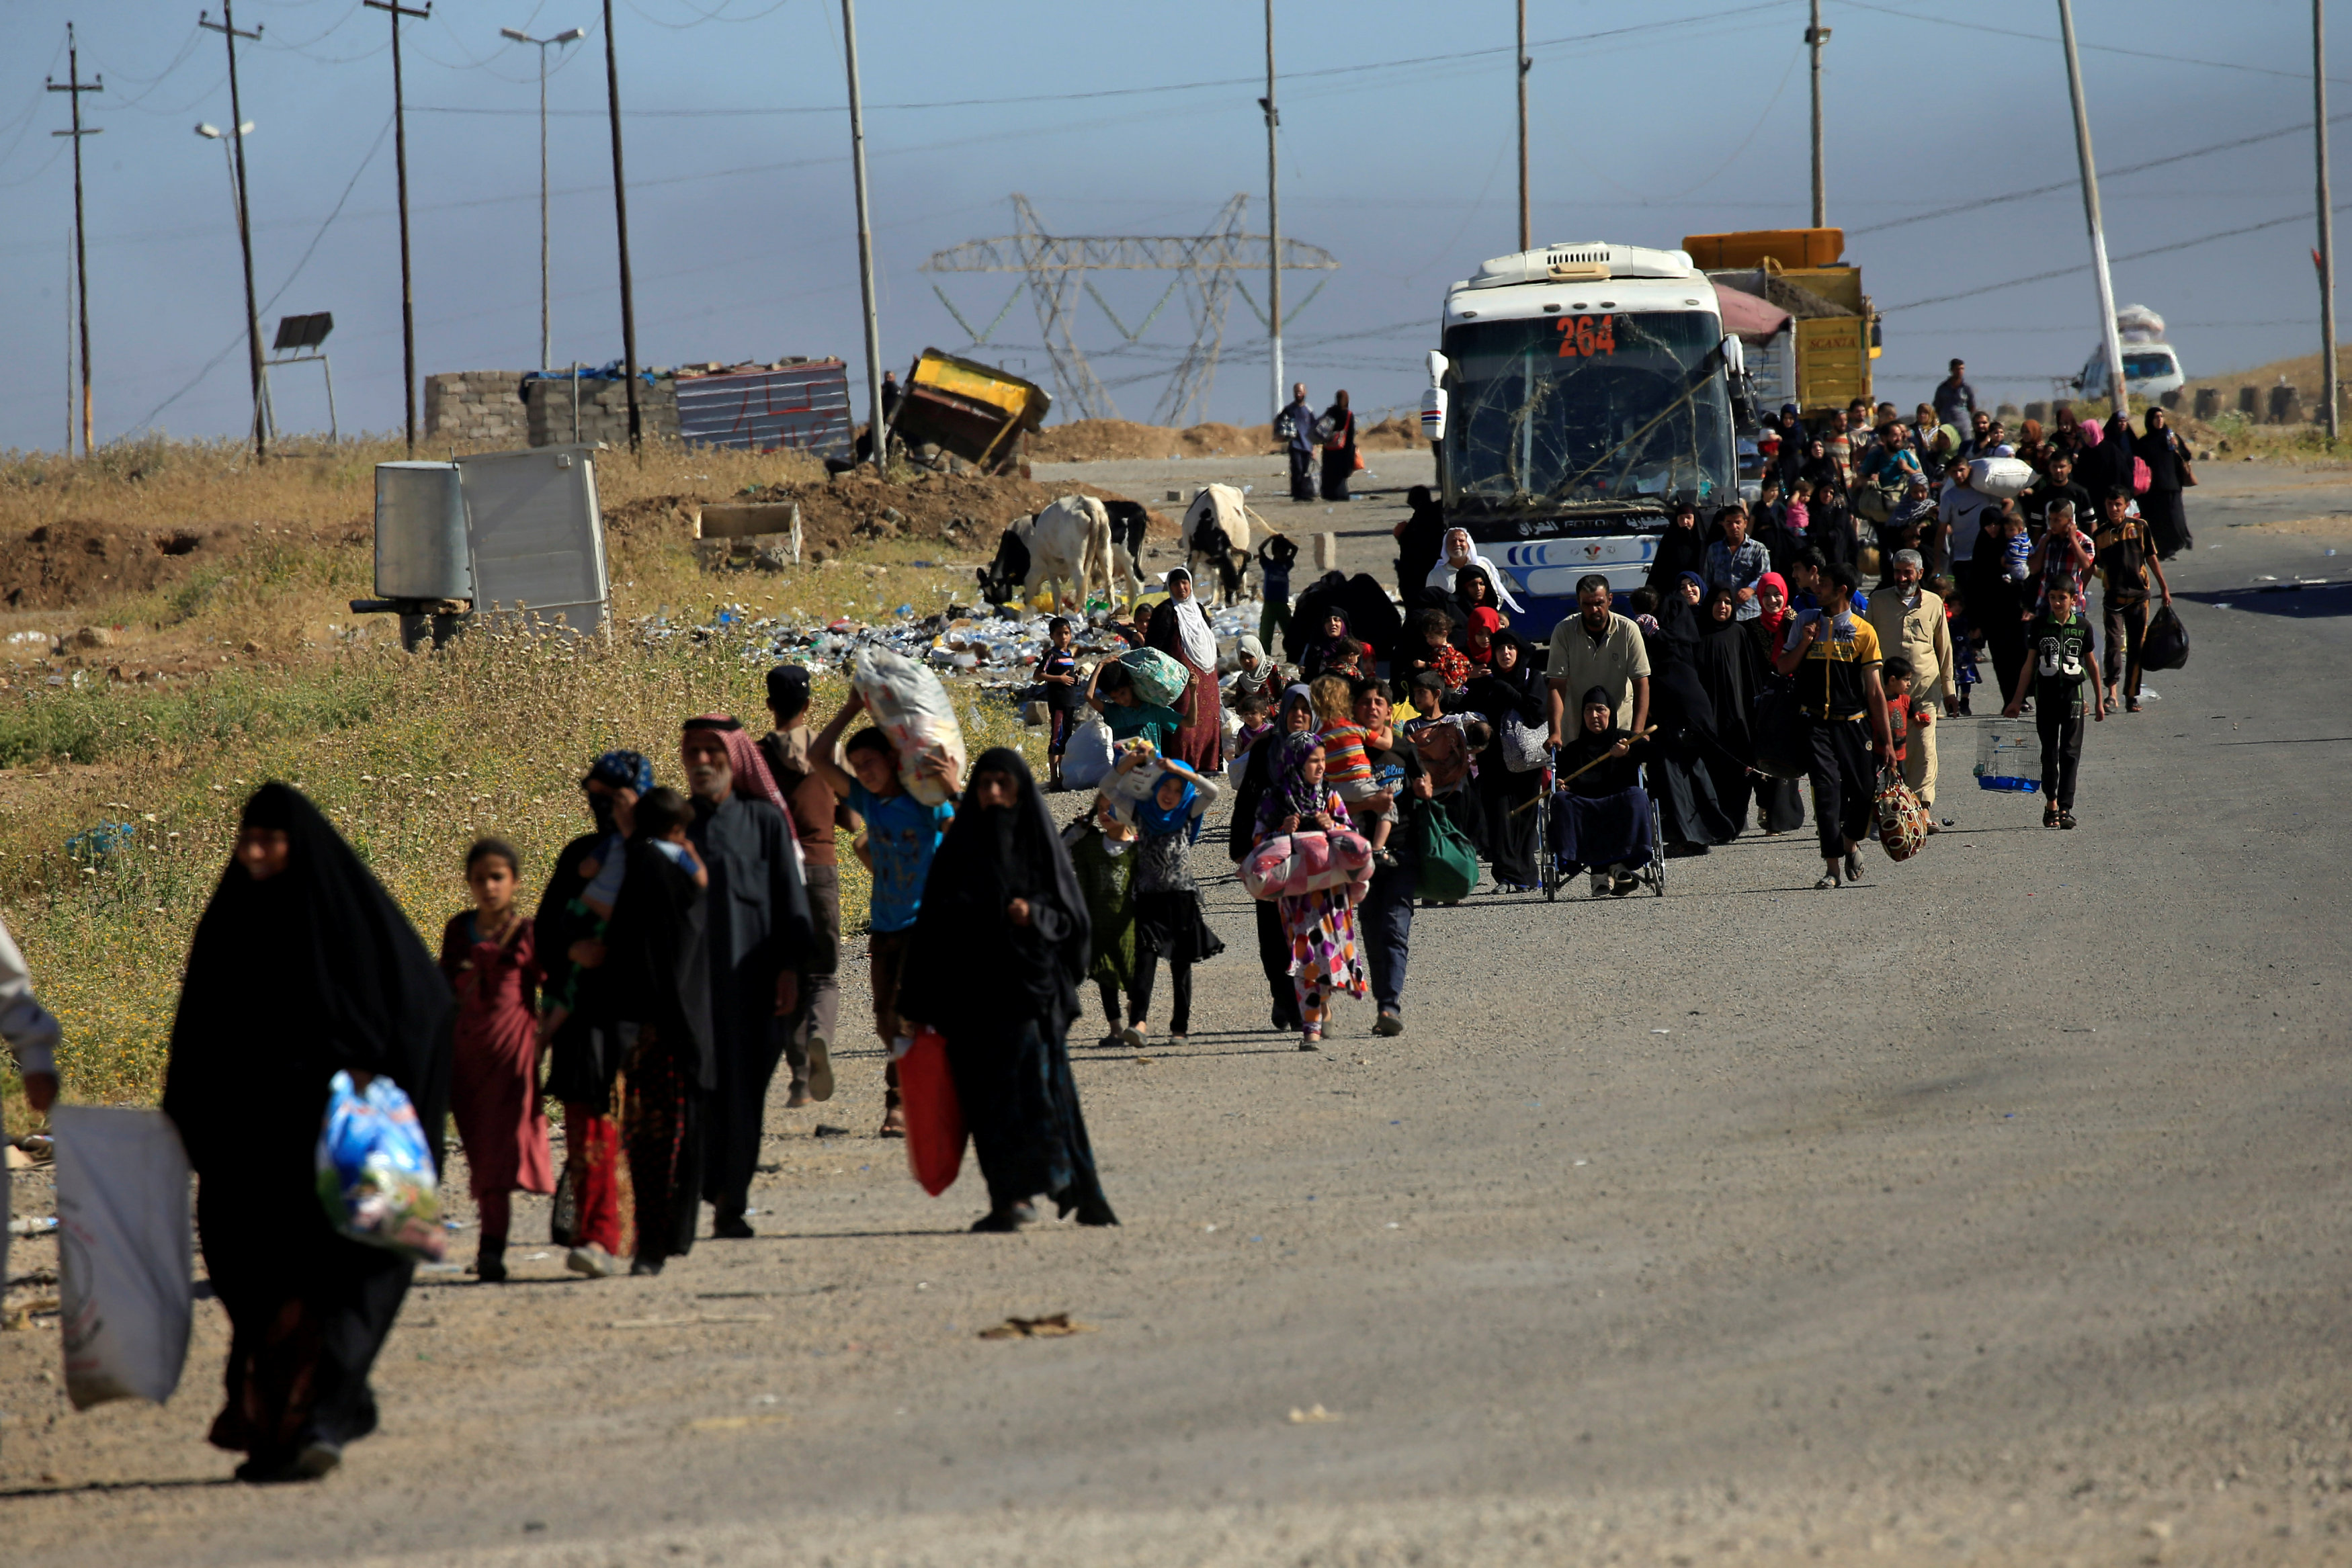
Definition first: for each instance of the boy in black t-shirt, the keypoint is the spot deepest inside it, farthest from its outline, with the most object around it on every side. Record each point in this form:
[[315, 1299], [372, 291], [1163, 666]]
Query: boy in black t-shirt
[[2060, 656]]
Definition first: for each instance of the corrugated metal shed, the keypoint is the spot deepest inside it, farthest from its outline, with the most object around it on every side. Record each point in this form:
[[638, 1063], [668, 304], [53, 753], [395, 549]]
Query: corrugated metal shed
[[803, 407]]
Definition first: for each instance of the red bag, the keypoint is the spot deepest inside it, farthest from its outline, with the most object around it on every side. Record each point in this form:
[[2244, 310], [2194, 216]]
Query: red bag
[[2141, 477], [935, 1130]]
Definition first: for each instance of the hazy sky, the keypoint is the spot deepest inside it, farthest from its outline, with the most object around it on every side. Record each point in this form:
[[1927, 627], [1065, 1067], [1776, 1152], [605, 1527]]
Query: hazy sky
[[1650, 120]]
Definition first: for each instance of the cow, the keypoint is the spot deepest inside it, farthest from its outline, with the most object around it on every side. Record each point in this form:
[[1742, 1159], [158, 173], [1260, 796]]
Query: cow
[[1129, 522], [1216, 532], [1067, 543]]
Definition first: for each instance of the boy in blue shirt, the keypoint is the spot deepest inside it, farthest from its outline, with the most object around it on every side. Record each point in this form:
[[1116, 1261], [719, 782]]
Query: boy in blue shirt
[[900, 836]]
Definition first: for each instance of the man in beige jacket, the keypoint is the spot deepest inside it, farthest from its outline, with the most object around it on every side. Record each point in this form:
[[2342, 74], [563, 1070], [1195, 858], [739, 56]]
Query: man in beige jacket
[[1909, 621]]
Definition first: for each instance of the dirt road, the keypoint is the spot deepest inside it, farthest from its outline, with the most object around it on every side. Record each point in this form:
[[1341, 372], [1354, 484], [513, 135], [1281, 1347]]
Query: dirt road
[[1991, 1211]]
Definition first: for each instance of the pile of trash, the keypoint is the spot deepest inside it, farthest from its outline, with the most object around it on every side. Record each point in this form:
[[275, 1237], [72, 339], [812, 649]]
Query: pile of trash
[[975, 645]]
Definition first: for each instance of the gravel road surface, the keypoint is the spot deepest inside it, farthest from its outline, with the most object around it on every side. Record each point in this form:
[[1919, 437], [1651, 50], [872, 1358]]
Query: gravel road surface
[[1992, 1211]]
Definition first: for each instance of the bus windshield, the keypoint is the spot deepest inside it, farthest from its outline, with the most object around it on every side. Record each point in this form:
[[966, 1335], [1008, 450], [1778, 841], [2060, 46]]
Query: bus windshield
[[1566, 409]]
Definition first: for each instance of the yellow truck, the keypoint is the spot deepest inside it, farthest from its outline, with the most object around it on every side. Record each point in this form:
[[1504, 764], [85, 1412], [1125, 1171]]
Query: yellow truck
[[1813, 345]]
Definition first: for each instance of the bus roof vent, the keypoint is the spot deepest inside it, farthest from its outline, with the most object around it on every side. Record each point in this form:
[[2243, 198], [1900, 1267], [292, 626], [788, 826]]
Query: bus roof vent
[[1581, 262]]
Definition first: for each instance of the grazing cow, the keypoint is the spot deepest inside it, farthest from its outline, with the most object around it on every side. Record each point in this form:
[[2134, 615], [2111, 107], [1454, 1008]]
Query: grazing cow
[[1129, 522], [1216, 531], [1000, 580]]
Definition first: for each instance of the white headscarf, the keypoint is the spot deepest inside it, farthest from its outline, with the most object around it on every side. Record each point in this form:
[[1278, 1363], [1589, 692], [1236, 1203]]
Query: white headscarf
[[1191, 625], [1441, 574]]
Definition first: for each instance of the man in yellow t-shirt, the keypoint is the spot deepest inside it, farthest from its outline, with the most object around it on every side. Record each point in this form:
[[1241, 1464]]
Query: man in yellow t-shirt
[[1833, 655]]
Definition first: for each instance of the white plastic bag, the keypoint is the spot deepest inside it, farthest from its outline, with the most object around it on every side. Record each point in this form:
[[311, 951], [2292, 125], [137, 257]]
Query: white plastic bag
[[125, 1247], [912, 708], [1524, 749], [2002, 479], [1086, 759]]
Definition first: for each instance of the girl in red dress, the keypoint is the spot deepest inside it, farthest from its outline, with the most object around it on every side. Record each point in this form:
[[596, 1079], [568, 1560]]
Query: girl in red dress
[[488, 956]]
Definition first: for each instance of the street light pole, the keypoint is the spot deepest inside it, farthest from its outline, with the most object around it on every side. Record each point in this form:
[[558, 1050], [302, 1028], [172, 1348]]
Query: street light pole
[[227, 29], [542, 44], [265, 417]]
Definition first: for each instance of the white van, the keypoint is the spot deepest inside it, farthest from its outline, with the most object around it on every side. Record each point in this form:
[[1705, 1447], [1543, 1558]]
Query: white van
[[2150, 370]]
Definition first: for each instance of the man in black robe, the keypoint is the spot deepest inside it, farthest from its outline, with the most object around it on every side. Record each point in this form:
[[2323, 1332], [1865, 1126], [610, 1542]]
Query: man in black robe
[[759, 936]]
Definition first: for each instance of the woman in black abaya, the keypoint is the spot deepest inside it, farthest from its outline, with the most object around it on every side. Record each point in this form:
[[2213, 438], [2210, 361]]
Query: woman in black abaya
[[1510, 686], [1690, 817], [998, 952], [303, 966]]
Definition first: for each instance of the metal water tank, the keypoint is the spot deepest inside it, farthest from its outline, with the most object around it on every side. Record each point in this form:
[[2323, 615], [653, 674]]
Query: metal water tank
[[420, 532]]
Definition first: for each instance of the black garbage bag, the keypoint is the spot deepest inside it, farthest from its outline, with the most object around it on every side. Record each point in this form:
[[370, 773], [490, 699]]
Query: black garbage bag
[[2166, 646]]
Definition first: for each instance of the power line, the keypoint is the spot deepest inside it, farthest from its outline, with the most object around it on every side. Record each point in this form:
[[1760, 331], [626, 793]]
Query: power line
[[2086, 267], [1607, 33], [2115, 174], [1976, 26]]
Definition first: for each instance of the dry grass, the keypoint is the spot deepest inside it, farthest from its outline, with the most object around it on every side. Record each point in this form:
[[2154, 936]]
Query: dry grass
[[412, 756]]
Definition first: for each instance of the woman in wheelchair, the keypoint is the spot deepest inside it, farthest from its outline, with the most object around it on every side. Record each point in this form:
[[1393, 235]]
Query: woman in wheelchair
[[1603, 811]]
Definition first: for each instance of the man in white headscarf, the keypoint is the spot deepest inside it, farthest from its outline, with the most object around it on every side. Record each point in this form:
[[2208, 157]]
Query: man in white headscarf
[[1460, 553]]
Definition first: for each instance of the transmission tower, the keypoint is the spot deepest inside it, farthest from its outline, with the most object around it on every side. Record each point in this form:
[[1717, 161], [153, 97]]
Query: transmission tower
[[1055, 267]]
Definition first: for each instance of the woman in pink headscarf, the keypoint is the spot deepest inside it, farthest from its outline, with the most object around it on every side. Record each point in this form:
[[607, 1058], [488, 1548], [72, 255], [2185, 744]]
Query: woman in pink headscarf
[[759, 937]]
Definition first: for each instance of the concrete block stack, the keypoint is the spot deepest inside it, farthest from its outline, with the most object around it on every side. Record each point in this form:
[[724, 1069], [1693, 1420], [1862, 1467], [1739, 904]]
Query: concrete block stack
[[604, 410], [481, 408]]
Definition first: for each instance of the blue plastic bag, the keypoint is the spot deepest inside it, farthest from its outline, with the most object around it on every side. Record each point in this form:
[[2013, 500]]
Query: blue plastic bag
[[375, 1170]]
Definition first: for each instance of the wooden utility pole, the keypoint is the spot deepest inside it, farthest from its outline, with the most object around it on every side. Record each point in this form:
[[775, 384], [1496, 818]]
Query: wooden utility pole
[[227, 29], [75, 86], [2325, 257], [1527, 233], [1272, 219], [621, 221], [400, 163], [1815, 37], [874, 422]]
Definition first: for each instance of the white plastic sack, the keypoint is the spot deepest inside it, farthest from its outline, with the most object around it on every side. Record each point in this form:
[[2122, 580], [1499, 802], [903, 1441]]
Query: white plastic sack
[[125, 1251], [2002, 479], [912, 708], [2008, 755], [1524, 747], [1086, 759]]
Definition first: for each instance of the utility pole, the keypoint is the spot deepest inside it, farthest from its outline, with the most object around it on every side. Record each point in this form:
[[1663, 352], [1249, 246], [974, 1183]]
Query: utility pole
[[621, 220], [881, 437], [70, 342], [1272, 219], [74, 86], [2325, 255], [565, 38], [1815, 37], [1527, 233], [400, 163], [2114, 349], [227, 29]]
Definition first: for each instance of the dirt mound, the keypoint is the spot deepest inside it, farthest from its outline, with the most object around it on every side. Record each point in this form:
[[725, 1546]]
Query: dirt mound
[[964, 512], [1119, 440], [77, 560], [1116, 440]]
